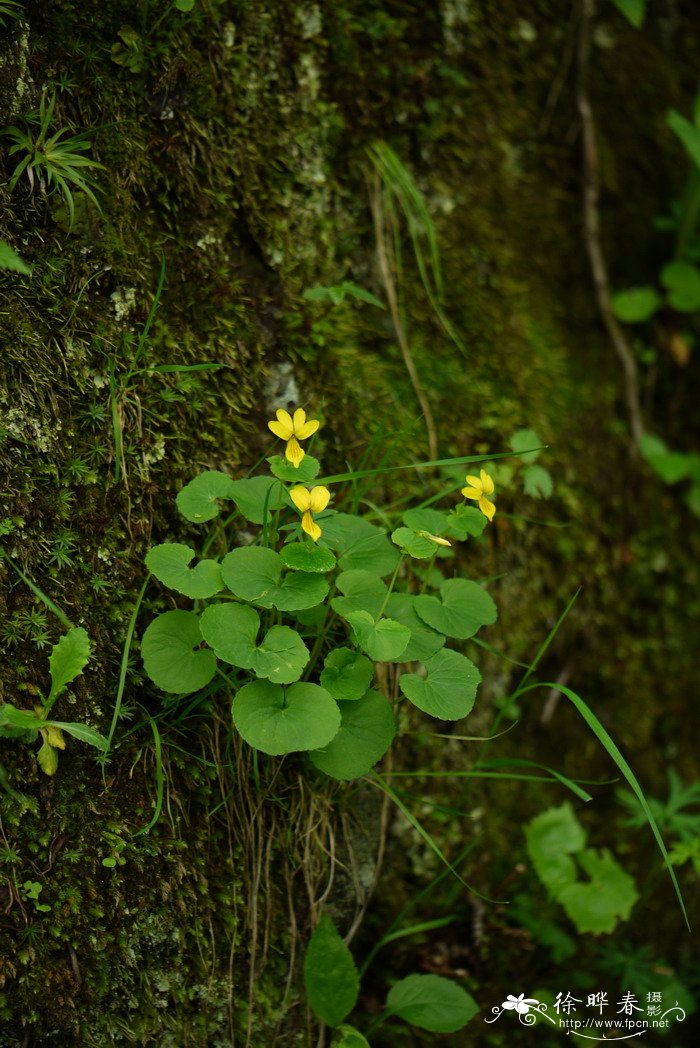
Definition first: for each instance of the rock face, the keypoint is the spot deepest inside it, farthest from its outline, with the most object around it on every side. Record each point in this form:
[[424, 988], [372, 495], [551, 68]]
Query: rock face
[[232, 175]]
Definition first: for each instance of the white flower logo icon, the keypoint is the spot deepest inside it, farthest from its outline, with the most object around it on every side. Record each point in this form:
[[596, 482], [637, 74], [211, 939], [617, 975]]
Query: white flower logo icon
[[520, 1004]]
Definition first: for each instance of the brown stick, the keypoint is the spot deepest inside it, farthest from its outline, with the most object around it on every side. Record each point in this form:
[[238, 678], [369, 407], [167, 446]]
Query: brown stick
[[591, 214]]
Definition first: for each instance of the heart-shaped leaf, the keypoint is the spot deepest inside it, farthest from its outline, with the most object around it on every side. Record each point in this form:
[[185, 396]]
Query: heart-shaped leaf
[[466, 521], [198, 500], [431, 1003], [280, 720], [362, 591], [254, 495], [169, 563], [383, 641], [171, 654], [331, 979], [367, 729], [424, 641], [307, 556], [346, 674], [360, 544], [463, 608], [449, 689], [426, 519], [415, 545], [254, 573], [232, 630], [283, 470]]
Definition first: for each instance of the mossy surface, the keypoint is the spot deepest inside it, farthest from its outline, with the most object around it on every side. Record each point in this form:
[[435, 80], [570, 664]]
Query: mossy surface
[[237, 152]]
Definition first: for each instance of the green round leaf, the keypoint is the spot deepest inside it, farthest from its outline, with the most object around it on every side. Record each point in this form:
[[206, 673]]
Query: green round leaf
[[523, 442], [284, 470], [362, 591], [463, 608], [431, 1003], [636, 305], [331, 979], [367, 729], [306, 556], [426, 520], [232, 629], [360, 544], [254, 573], [348, 1037], [537, 482], [253, 494], [171, 654], [683, 282], [346, 674], [466, 521], [449, 689], [417, 546], [281, 656], [383, 641], [276, 720], [198, 500], [169, 563], [424, 641]]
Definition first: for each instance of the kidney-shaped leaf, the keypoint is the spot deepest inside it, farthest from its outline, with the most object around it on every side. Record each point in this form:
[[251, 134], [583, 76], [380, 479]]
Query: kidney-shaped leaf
[[254, 573], [414, 544], [280, 720], [232, 630], [306, 470], [367, 729], [427, 519], [362, 591], [462, 608], [432, 1003], [169, 563], [346, 674], [449, 689], [253, 494], [331, 979], [198, 500], [383, 641], [424, 641], [171, 654], [307, 556], [360, 544]]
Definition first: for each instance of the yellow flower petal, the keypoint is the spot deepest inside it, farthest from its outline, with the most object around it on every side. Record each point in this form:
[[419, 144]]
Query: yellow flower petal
[[302, 432], [486, 482], [284, 427], [310, 526], [301, 497], [294, 452], [472, 493], [475, 483], [487, 508], [320, 498]]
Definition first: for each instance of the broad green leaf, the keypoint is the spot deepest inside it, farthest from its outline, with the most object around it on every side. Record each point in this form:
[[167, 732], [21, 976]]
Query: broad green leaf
[[424, 641], [523, 441], [688, 133], [9, 259], [307, 556], [252, 494], [415, 545], [331, 979], [67, 661], [232, 630], [636, 305], [633, 10], [48, 758], [552, 837], [282, 469], [462, 609], [449, 688], [254, 573], [169, 563], [683, 283], [599, 904], [81, 732], [280, 720], [431, 1003], [537, 482], [466, 521], [171, 654], [348, 1037], [367, 729], [360, 544], [362, 591], [383, 641], [427, 520], [184, 5], [18, 720], [198, 500], [346, 674]]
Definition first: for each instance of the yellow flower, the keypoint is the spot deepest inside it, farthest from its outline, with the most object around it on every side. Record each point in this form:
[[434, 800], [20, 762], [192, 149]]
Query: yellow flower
[[309, 501], [479, 488], [293, 430]]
